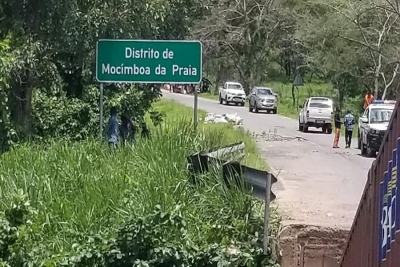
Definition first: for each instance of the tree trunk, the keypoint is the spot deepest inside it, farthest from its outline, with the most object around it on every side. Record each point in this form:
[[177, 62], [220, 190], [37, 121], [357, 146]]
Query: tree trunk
[[21, 105], [293, 96], [218, 79], [376, 85]]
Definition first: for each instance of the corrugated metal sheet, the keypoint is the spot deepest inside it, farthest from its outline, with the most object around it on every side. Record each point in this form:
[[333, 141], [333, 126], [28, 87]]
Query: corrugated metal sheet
[[374, 239]]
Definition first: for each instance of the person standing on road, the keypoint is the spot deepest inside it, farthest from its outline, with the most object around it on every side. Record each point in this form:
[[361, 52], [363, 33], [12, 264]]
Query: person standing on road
[[349, 122], [113, 129], [369, 97], [338, 125]]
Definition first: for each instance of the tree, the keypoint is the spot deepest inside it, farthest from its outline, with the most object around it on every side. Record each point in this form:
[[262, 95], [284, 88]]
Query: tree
[[374, 28], [242, 31]]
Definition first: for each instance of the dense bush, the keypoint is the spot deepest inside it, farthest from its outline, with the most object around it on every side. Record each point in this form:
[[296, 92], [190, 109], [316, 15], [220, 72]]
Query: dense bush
[[56, 115], [81, 204]]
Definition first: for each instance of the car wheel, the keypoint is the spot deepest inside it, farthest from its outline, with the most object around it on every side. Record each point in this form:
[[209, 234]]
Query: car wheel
[[369, 151], [329, 131], [242, 104], [250, 108], [363, 149], [359, 142], [226, 100], [305, 128], [274, 111], [300, 126], [220, 99]]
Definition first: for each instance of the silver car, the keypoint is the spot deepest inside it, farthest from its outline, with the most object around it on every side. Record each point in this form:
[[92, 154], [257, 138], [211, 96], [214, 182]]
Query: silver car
[[263, 98]]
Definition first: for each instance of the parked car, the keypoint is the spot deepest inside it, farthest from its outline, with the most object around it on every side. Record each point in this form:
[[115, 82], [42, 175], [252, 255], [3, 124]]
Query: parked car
[[232, 92], [263, 98], [316, 112], [372, 126]]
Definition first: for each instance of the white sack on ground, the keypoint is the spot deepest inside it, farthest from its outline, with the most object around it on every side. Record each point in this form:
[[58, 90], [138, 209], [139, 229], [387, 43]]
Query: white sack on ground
[[223, 118]]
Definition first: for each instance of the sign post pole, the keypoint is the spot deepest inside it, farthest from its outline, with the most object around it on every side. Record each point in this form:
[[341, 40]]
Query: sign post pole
[[195, 111], [101, 110]]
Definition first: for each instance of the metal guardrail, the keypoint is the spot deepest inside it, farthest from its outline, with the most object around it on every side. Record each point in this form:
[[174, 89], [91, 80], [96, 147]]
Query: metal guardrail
[[228, 158], [236, 149], [235, 174]]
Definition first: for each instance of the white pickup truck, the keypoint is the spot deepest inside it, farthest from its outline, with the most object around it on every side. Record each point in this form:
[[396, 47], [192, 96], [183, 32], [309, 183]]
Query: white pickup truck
[[316, 112], [372, 126], [232, 92]]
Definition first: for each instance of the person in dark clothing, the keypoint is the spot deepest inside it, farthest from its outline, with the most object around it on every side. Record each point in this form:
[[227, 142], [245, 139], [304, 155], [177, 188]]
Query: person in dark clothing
[[113, 129], [205, 85], [145, 131], [338, 125], [127, 129], [349, 122]]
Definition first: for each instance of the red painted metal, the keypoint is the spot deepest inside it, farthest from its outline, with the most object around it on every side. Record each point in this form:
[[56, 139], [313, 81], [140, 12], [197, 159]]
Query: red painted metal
[[364, 242]]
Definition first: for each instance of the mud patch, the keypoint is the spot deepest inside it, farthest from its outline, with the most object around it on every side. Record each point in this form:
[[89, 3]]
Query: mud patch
[[311, 246]]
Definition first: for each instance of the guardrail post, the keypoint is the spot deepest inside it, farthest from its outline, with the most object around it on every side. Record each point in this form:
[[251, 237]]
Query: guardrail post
[[197, 164], [266, 212]]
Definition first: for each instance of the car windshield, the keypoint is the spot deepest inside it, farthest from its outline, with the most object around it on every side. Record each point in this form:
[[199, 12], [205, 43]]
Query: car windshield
[[234, 86], [320, 104], [380, 115], [264, 91]]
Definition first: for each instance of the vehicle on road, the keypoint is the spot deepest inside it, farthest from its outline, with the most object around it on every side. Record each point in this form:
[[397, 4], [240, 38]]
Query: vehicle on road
[[263, 98], [232, 92], [316, 112], [372, 126]]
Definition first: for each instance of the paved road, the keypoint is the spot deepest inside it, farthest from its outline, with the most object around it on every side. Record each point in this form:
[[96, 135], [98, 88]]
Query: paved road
[[316, 185]]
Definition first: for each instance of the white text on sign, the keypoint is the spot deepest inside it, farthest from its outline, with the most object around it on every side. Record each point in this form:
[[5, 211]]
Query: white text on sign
[[150, 53]]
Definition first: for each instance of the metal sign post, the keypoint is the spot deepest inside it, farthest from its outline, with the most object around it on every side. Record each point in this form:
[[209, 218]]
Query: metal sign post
[[101, 110], [195, 110]]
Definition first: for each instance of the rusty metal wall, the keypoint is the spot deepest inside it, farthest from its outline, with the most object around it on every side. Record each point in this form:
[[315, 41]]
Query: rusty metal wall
[[374, 239]]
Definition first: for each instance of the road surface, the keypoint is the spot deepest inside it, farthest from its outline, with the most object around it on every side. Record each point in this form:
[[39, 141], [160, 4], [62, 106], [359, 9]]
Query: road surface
[[317, 185]]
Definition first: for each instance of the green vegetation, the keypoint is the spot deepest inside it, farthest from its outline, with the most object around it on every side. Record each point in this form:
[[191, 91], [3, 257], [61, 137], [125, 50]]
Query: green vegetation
[[82, 204]]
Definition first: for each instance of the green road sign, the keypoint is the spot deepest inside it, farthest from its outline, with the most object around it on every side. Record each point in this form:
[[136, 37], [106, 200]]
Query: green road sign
[[149, 61]]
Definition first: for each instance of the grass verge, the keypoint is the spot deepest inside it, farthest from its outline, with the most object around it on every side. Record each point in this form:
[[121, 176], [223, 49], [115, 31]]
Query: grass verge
[[83, 204], [214, 135]]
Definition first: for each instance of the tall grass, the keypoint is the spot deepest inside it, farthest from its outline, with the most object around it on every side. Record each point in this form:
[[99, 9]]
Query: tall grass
[[88, 188], [213, 135]]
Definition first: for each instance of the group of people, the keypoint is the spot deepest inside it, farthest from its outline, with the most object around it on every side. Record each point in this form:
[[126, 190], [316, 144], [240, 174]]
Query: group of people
[[348, 122], [126, 130]]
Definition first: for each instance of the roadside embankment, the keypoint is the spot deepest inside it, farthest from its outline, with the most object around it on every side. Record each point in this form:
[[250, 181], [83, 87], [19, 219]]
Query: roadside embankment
[[83, 204]]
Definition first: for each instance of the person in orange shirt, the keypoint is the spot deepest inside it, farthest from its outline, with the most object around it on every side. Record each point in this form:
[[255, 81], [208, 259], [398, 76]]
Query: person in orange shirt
[[369, 97]]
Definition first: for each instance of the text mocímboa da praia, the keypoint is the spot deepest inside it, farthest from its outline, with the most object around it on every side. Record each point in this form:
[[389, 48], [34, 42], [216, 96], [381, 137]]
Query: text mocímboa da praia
[[148, 54]]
